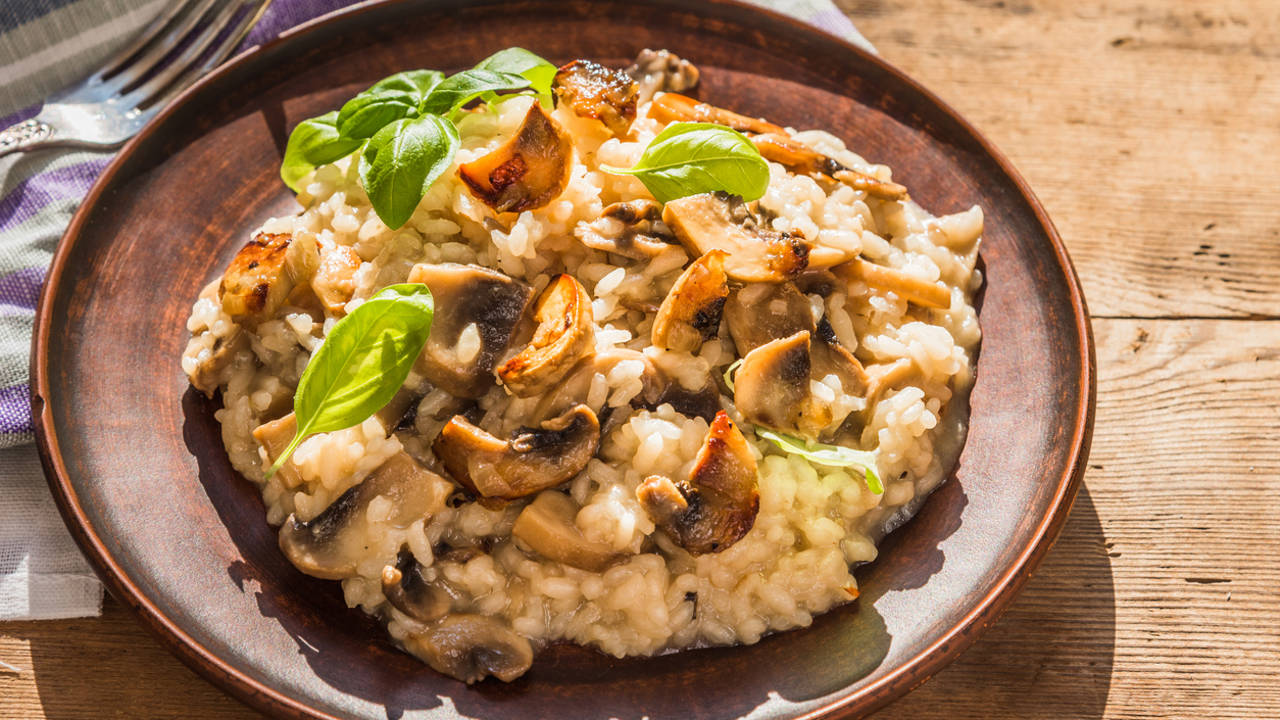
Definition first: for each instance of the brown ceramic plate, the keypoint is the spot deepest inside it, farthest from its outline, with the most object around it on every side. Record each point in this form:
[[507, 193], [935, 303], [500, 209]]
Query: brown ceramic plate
[[134, 457]]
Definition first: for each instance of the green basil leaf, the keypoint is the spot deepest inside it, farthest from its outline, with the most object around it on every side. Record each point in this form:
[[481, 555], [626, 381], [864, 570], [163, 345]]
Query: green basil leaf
[[362, 363], [458, 90], [401, 161], [388, 100], [691, 158], [519, 61], [829, 455], [313, 143]]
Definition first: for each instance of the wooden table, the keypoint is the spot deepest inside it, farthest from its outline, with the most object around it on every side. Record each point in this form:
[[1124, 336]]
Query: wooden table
[[1151, 131]]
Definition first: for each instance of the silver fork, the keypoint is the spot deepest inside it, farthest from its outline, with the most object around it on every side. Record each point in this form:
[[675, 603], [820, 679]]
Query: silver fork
[[114, 103]]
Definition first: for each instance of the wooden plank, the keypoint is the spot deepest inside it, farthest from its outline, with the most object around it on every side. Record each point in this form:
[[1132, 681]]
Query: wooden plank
[[1159, 599], [1147, 129]]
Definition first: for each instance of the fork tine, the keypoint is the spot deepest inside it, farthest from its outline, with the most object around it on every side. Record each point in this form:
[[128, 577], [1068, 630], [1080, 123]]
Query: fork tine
[[184, 70], [160, 46], [145, 36]]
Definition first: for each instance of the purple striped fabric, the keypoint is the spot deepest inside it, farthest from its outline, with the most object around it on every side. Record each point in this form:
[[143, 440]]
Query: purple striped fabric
[[39, 191], [15, 409]]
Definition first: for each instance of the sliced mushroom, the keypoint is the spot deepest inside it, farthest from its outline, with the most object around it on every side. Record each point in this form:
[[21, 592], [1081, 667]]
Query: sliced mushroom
[[717, 505], [673, 107], [594, 91], [910, 288], [758, 313], [829, 357], [409, 591], [718, 221], [883, 376], [334, 281], [274, 437], [690, 314], [547, 526], [527, 171], [798, 157], [657, 388], [264, 273], [661, 71], [471, 648], [399, 411], [627, 228], [332, 543], [771, 387], [478, 312], [564, 336], [530, 461]]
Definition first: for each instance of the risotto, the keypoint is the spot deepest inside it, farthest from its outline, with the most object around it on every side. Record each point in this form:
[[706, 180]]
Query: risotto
[[639, 422]]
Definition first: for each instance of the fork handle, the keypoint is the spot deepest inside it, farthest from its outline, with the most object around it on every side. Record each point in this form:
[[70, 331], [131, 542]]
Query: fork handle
[[26, 135]]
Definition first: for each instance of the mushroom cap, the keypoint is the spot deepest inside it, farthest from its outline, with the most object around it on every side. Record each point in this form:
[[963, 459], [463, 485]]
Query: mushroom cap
[[409, 591], [564, 336], [466, 296], [690, 313], [526, 172], [332, 543], [471, 647], [758, 313], [547, 527], [595, 91], [771, 387], [718, 221], [530, 461]]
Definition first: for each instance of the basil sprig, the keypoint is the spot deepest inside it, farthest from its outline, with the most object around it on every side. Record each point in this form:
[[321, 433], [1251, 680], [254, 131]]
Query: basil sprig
[[405, 125], [362, 363], [829, 455], [690, 158]]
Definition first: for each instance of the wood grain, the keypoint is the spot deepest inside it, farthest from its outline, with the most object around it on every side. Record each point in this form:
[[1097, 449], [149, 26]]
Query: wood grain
[[1149, 130]]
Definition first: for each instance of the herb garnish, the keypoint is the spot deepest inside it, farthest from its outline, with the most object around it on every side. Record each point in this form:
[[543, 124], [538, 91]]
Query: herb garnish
[[689, 158], [406, 126], [829, 455], [362, 363]]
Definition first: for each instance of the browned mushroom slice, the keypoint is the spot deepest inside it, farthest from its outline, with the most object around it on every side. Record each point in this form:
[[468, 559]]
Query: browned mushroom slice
[[334, 281], [910, 288], [690, 314], [662, 70], [771, 387], [332, 543], [530, 461], [264, 273], [564, 336], [626, 228], [478, 312], [527, 171], [718, 221], [673, 107], [471, 647], [409, 591], [274, 437], [547, 526], [717, 505], [798, 157], [594, 91], [758, 313]]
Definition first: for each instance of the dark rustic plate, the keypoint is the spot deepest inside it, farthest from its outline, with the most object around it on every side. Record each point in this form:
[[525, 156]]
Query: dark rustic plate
[[134, 458]]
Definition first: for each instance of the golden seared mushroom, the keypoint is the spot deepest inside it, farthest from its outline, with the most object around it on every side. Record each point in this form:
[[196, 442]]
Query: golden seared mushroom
[[911, 288], [263, 275], [592, 90], [471, 647], [547, 527], [335, 279], [626, 228], [657, 388], [799, 158], [332, 543], [690, 314], [771, 387], [477, 314], [527, 171], [661, 71], [758, 313], [717, 505], [719, 221], [530, 461], [274, 437], [409, 591], [673, 107], [564, 336]]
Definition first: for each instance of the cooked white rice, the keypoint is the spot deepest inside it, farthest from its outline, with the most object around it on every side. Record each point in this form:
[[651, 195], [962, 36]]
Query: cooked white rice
[[814, 522]]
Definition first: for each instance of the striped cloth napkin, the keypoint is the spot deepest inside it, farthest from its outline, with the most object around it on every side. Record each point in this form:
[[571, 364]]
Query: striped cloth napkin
[[46, 45]]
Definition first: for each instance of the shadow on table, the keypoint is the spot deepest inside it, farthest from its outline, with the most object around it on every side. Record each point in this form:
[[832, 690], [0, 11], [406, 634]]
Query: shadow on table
[[1050, 656]]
